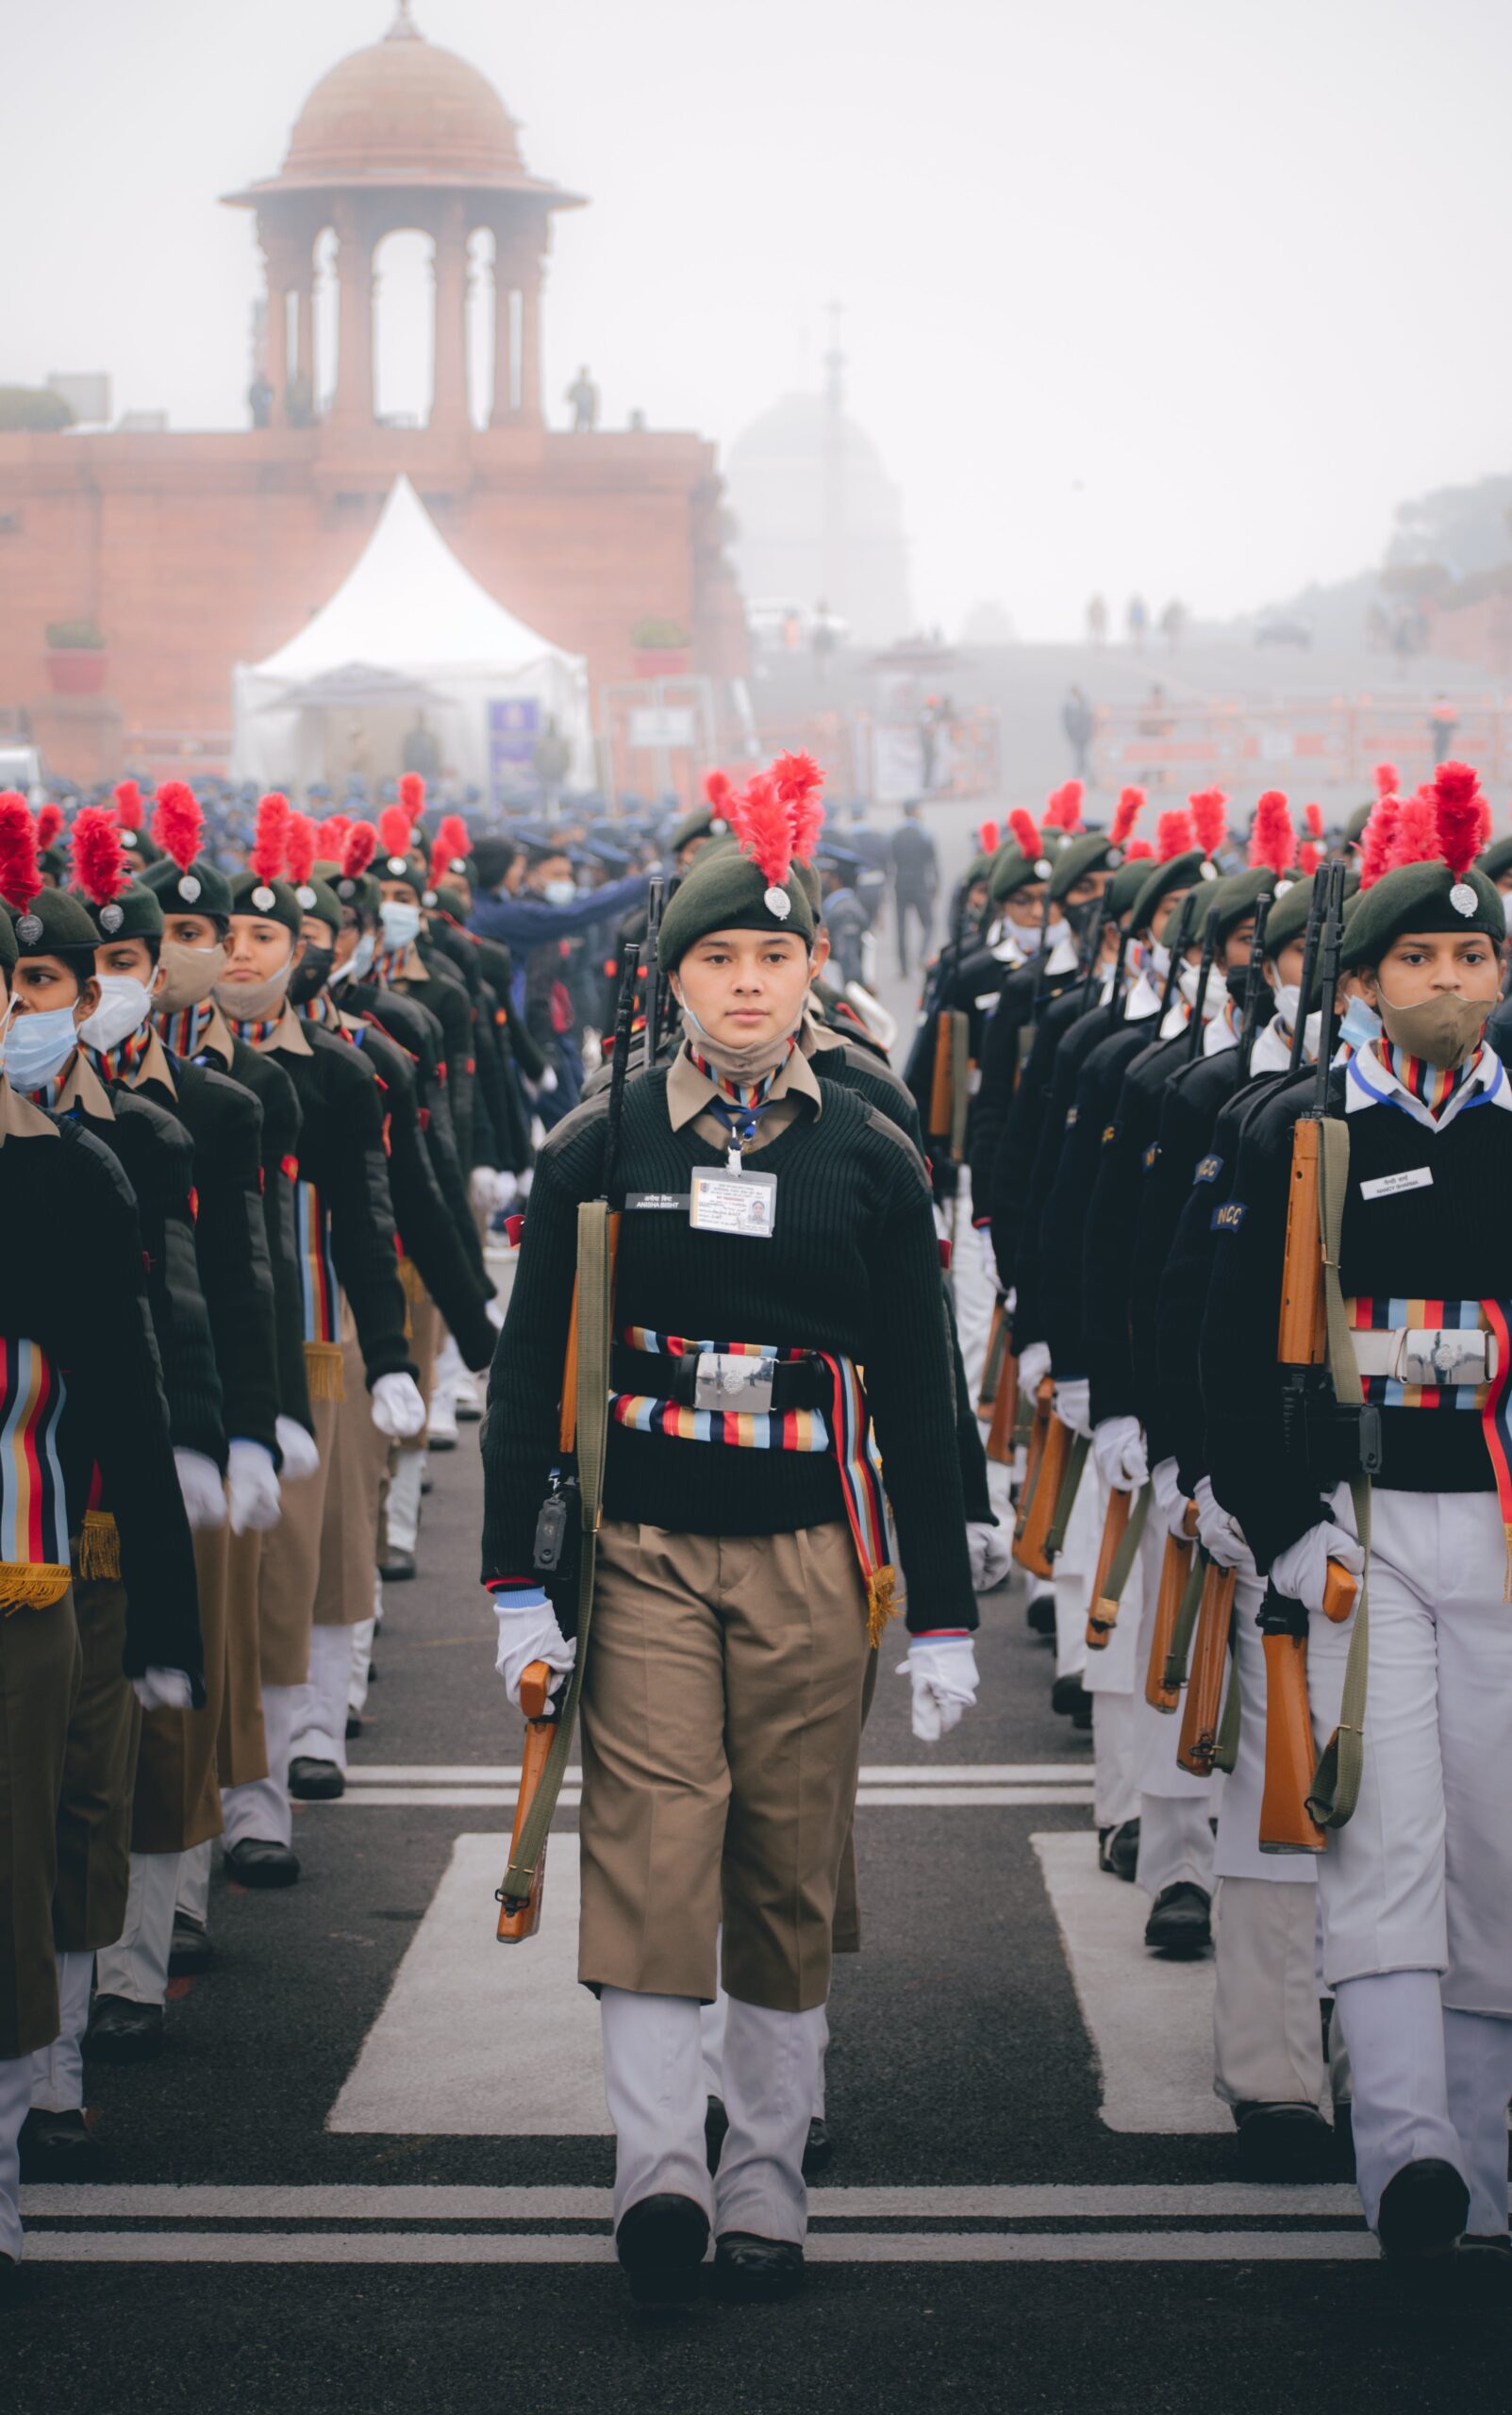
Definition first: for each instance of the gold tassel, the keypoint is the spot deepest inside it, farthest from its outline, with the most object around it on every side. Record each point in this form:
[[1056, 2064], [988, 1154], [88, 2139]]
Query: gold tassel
[[33, 1588], [414, 1290], [881, 1604], [322, 1371], [99, 1545]]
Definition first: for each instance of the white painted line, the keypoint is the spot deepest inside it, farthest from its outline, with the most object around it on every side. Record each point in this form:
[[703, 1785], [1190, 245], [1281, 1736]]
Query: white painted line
[[1150, 2020], [479, 2039], [437, 1798], [409, 2202], [826, 2247], [494, 1798], [881, 1774]]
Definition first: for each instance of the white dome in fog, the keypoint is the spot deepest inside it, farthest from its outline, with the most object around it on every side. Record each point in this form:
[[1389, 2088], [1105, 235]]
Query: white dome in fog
[[819, 519]]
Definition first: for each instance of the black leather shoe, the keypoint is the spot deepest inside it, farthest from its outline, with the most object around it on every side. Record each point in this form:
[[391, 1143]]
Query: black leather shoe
[[353, 1727], [312, 1781], [190, 1953], [1118, 1849], [1283, 2142], [819, 2148], [1180, 1926], [121, 2031], [716, 2121], [10, 2281], [58, 2146], [396, 1567], [1422, 2210], [1081, 1718], [661, 2242], [1067, 1696], [258, 1862], [1041, 1613], [750, 2271]]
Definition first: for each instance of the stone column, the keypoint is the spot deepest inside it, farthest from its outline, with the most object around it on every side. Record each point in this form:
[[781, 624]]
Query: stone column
[[531, 278], [305, 328], [501, 411], [276, 326], [353, 269], [448, 405]]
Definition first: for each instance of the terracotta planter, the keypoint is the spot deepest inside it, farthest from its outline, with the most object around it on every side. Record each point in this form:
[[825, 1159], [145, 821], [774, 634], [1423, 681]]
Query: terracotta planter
[[662, 661], [77, 670]]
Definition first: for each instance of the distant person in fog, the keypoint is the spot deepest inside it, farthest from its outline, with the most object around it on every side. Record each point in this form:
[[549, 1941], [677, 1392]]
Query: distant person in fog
[[915, 882], [1079, 721]]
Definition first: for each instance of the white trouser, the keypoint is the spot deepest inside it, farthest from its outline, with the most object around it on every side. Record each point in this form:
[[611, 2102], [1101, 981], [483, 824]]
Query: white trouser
[[15, 2103], [319, 1715], [1111, 1671], [261, 1808], [1239, 1796], [137, 1964], [1175, 1843], [972, 1282], [1478, 2068], [1267, 2036], [1075, 1570], [654, 2088], [1115, 1776], [402, 1515], [361, 1660], [1421, 1878], [1394, 2025], [449, 1369], [713, 2026], [194, 1884], [58, 2070]]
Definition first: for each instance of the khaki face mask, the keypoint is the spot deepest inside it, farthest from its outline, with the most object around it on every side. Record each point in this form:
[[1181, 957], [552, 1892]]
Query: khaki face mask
[[1442, 1031], [190, 974]]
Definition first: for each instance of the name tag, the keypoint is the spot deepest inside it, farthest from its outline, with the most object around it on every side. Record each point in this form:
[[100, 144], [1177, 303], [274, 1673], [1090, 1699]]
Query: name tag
[[1387, 1186], [742, 1204], [657, 1199]]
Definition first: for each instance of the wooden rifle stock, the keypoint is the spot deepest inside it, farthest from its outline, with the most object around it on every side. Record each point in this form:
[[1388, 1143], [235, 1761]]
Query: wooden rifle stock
[[1287, 1825], [1005, 1414], [519, 1920], [1341, 1591], [1175, 1568], [1301, 1334], [1029, 1550], [993, 1365], [1198, 1742], [1103, 1616], [939, 1089], [1034, 1451]]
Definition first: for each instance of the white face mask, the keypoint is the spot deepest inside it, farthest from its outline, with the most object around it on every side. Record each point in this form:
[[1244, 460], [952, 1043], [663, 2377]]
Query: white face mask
[[1506, 907], [36, 1047], [401, 923], [1289, 998], [559, 892], [122, 1010], [1026, 935]]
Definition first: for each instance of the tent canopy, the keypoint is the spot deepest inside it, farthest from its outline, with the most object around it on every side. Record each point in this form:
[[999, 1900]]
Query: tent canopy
[[414, 619]]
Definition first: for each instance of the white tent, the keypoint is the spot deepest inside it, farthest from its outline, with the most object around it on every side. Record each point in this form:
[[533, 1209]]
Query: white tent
[[406, 618]]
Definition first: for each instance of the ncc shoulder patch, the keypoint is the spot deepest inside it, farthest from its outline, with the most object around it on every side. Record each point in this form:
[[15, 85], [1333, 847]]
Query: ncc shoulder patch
[[1228, 1218], [1110, 1132], [1072, 1113], [1152, 1153], [1208, 1169]]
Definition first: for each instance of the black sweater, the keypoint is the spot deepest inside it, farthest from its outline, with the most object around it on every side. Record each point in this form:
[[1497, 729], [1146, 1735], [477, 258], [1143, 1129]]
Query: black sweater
[[1129, 1151], [1028, 1147], [853, 1267]]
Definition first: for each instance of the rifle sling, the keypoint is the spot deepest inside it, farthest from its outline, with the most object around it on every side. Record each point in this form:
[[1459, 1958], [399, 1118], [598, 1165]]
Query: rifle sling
[[1129, 1541], [594, 1282], [1175, 1671], [1066, 1497], [960, 1081], [1336, 1786]]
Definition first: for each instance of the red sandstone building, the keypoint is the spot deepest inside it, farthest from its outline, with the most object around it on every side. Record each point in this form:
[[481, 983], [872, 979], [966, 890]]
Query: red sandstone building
[[195, 552]]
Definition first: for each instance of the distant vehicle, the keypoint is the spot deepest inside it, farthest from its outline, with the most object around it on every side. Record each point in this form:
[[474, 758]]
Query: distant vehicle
[[1284, 628], [20, 766]]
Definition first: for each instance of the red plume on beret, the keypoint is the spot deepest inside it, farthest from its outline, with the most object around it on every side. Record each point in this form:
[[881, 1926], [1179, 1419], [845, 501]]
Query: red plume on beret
[[1417, 834], [1174, 836], [396, 831], [332, 835], [1273, 839], [19, 873], [452, 840], [1457, 798], [99, 861], [299, 848], [1209, 819], [800, 785], [1309, 856], [360, 847], [1313, 816], [128, 809], [412, 797], [1387, 780], [988, 839], [1023, 826], [49, 825], [763, 825], [269, 846], [716, 786], [1138, 851], [1064, 811], [1378, 839], [178, 823], [1130, 807]]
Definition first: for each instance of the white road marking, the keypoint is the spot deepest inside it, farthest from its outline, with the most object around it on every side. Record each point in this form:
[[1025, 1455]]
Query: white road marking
[[468, 1798], [479, 2039], [1151, 2020], [824, 2247], [444, 2203], [877, 1774]]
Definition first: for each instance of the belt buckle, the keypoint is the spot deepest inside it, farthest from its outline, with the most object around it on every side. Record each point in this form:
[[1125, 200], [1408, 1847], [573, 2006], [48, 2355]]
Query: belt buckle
[[732, 1382], [1445, 1356]]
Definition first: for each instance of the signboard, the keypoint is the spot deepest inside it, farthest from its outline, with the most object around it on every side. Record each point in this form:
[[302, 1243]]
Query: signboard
[[655, 727], [514, 726]]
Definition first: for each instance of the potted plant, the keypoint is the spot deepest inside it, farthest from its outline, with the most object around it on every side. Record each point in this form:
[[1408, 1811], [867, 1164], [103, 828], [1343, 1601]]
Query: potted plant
[[662, 648], [76, 658]]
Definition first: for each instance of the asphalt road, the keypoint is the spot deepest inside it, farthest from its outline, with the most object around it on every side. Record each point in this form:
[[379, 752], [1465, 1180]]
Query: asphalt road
[[960, 2061]]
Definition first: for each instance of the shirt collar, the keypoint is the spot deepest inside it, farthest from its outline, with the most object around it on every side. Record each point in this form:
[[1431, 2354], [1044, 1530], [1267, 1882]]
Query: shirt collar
[[20, 1119], [1369, 1083], [82, 1088], [688, 1091]]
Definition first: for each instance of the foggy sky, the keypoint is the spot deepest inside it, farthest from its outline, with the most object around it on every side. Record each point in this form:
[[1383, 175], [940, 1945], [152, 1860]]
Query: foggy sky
[[1186, 295]]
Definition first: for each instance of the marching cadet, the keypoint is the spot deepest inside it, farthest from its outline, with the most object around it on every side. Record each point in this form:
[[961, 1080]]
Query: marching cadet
[[741, 1572], [1377, 1488], [351, 1281]]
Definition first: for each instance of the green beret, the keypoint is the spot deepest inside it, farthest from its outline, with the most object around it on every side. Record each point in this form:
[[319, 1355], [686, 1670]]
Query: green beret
[[316, 896], [203, 889], [1125, 885], [702, 822], [1422, 897], [136, 914], [1354, 827], [725, 890], [1079, 860], [1289, 915], [1495, 861], [9, 953], [1179, 872], [56, 922], [813, 888], [1011, 870], [358, 890], [1236, 897], [271, 901]]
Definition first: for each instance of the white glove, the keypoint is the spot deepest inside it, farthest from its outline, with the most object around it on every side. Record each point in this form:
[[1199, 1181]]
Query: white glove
[[987, 1549], [397, 1408], [1220, 1536], [203, 1491], [528, 1631], [495, 1312], [1034, 1366], [943, 1670], [1072, 1405], [1118, 1444], [301, 1456], [483, 1190], [252, 1481], [1170, 1502], [163, 1690], [1300, 1571], [547, 1082], [523, 1181], [506, 1192]]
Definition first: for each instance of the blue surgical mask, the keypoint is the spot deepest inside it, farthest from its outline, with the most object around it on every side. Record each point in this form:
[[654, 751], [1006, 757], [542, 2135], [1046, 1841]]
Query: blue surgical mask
[[1361, 1024], [401, 923], [36, 1047]]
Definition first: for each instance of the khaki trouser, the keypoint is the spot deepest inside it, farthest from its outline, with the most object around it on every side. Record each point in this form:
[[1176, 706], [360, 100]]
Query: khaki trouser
[[240, 1749], [41, 1664], [425, 1328], [177, 1800], [99, 1766], [349, 1528], [288, 1571], [722, 1734]]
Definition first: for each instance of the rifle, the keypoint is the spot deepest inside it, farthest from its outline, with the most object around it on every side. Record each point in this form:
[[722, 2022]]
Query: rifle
[[949, 1082], [1122, 1533], [1175, 1573], [566, 1529], [1197, 1748], [1286, 1824], [1049, 1497], [1253, 990], [994, 1363], [656, 899], [1000, 1434], [1205, 974]]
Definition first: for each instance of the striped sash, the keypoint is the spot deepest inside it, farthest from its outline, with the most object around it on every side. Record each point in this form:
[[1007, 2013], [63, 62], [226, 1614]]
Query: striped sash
[[318, 1293], [34, 1566]]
